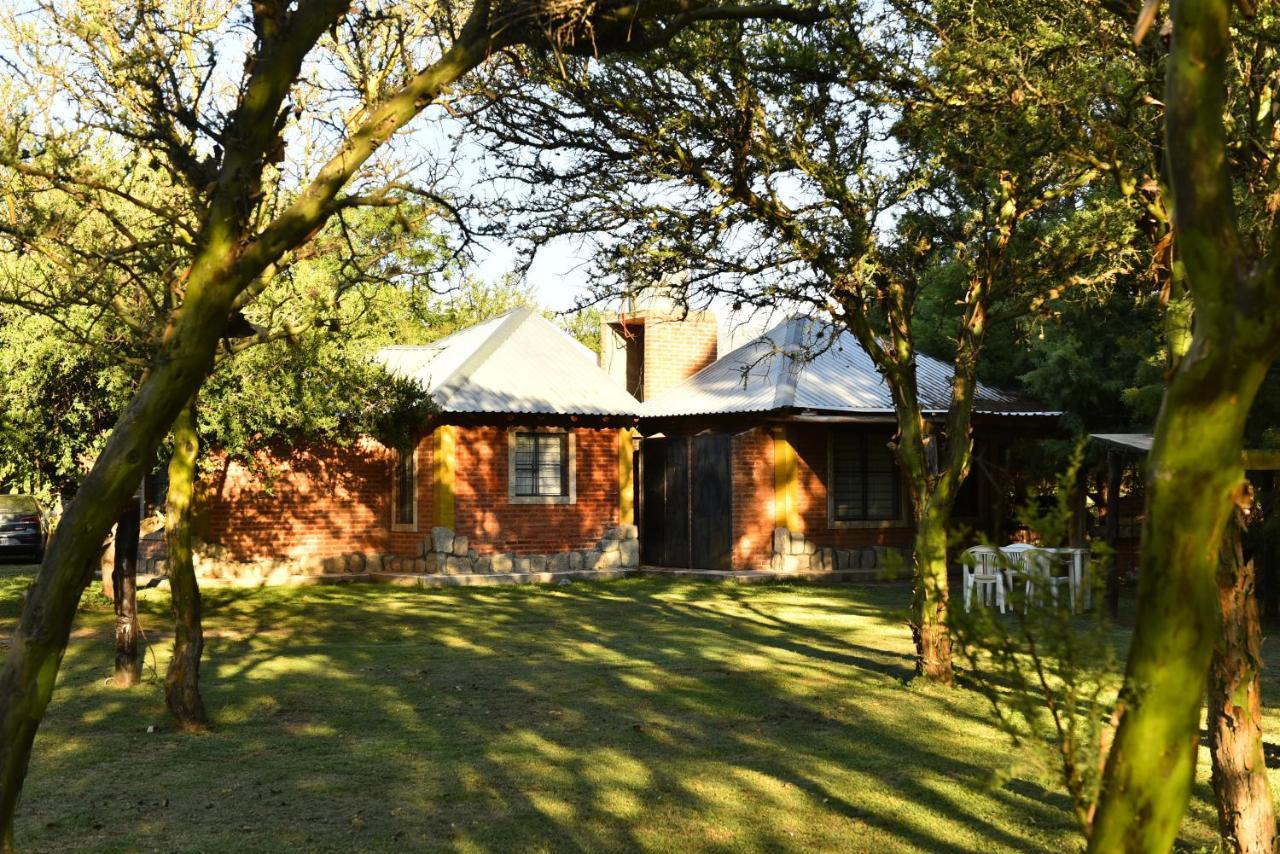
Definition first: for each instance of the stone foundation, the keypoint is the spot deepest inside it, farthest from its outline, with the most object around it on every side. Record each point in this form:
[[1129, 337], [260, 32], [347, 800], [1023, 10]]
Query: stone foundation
[[444, 552], [793, 553], [448, 553], [214, 566]]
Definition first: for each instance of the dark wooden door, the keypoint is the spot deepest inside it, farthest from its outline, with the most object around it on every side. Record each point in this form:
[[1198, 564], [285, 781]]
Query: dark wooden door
[[686, 502], [653, 462], [711, 519]]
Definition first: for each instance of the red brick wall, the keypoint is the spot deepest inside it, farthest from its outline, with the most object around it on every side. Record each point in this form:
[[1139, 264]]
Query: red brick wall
[[753, 494], [312, 502], [810, 443], [752, 499], [484, 513], [407, 542], [335, 500], [676, 349]]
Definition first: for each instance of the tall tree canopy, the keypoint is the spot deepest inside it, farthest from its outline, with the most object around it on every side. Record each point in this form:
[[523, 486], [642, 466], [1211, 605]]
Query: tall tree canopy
[[855, 170]]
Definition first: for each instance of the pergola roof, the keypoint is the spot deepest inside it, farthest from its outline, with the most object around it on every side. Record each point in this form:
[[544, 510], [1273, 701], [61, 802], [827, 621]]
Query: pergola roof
[[1139, 442]]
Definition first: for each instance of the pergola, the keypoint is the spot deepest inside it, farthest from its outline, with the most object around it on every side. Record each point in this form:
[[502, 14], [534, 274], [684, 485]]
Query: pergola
[[1260, 462]]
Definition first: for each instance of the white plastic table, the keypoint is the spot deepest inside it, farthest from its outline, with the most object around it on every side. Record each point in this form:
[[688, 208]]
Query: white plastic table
[[1080, 592]]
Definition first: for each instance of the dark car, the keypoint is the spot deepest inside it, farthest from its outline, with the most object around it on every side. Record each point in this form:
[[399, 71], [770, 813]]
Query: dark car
[[23, 527]]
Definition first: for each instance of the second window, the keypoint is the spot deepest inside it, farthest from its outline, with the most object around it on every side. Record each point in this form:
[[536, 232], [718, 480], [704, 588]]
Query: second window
[[542, 465]]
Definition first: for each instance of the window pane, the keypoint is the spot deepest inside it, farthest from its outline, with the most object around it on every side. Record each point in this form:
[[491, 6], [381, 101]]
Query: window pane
[[864, 478], [549, 481], [525, 448], [540, 463], [549, 449], [404, 486], [882, 480], [846, 490], [550, 463]]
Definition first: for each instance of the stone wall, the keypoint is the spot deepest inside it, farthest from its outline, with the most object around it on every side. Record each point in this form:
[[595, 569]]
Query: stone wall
[[216, 566], [793, 552], [441, 553], [445, 552]]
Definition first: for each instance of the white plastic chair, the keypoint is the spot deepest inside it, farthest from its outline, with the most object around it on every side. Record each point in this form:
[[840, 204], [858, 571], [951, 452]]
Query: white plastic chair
[[981, 565], [1038, 565]]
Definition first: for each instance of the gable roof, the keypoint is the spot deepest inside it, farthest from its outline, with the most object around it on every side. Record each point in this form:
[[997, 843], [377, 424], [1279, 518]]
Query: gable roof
[[800, 365], [518, 362]]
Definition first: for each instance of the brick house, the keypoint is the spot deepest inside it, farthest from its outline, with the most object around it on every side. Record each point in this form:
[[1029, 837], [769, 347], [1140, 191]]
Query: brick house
[[528, 461], [777, 455], [544, 456]]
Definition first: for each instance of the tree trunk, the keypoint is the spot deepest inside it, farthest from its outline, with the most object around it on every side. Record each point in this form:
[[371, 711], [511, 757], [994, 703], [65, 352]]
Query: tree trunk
[[1246, 811], [1194, 471], [929, 603], [182, 681], [124, 586]]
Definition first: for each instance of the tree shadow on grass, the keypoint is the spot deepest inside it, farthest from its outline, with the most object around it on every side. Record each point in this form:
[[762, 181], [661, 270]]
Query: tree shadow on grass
[[645, 714]]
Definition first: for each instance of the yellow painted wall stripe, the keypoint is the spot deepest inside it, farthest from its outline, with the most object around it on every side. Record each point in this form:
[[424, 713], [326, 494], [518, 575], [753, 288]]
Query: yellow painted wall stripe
[[626, 478], [786, 487], [443, 466]]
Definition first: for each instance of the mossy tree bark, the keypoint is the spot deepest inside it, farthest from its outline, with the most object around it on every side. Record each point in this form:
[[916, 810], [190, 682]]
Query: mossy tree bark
[[1194, 469], [1246, 811], [182, 681]]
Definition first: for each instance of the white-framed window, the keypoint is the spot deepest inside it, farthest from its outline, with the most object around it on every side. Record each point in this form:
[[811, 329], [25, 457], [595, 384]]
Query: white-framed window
[[541, 466], [404, 489], [864, 486]]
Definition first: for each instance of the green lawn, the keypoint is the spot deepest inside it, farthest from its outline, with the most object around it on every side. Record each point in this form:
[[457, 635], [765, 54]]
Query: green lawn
[[643, 714]]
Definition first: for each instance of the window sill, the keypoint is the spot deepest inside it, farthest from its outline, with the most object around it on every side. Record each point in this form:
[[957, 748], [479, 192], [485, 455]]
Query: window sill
[[871, 524], [404, 528], [540, 499]]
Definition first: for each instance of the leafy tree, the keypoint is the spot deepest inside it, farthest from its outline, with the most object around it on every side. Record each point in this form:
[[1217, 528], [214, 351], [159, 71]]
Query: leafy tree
[[1049, 674], [849, 169], [57, 403], [269, 120]]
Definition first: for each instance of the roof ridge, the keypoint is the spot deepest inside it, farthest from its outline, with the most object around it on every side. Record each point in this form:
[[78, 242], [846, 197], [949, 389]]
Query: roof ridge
[[785, 396], [582, 349], [450, 384]]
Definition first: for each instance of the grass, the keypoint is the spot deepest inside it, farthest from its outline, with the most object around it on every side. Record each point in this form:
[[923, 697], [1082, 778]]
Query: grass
[[637, 715]]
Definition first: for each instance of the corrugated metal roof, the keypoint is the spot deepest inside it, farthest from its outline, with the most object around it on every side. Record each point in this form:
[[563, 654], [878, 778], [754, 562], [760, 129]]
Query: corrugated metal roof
[[1129, 441], [809, 365], [518, 362]]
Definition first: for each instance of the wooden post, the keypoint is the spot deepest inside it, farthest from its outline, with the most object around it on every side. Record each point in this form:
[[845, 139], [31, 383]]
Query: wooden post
[[124, 583], [626, 478], [786, 510], [1268, 555], [1115, 473], [1077, 537], [443, 469]]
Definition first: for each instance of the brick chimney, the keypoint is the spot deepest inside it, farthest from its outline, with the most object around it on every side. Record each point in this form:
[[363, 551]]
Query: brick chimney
[[652, 349]]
